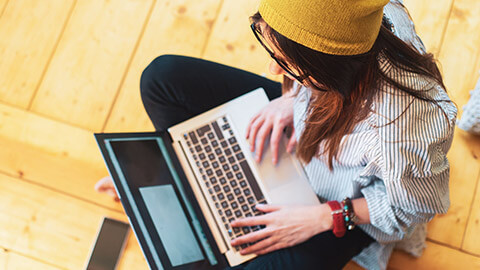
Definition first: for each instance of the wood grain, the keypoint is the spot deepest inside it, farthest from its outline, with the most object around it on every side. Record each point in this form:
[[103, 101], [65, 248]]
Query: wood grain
[[59, 173], [175, 27], [458, 56], [464, 170], [430, 21], [59, 139], [238, 48], [41, 223], [471, 242], [90, 61], [435, 257], [30, 30], [13, 261]]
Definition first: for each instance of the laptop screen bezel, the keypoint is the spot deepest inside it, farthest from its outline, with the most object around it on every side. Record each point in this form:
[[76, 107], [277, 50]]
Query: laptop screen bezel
[[165, 137]]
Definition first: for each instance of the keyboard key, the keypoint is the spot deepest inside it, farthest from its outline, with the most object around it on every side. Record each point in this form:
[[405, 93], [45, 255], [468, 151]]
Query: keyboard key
[[189, 143], [220, 212], [191, 150], [195, 157], [236, 148], [217, 205], [238, 213], [204, 141], [224, 204], [216, 188], [239, 175], [218, 151], [247, 192], [198, 148], [248, 214], [217, 130], [221, 196], [224, 219], [232, 140], [252, 181], [214, 143], [231, 160], [239, 156], [223, 181], [224, 144], [205, 164], [211, 156], [234, 205], [208, 148], [236, 230], [221, 159], [245, 208], [241, 199], [251, 200], [237, 191], [243, 183], [207, 184], [203, 130], [230, 132], [201, 156], [235, 167], [230, 197], [219, 172], [229, 175], [215, 164], [226, 126], [245, 230], [209, 172], [228, 152], [210, 135], [228, 212], [193, 137], [233, 183], [213, 180], [225, 167], [214, 198], [226, 189]]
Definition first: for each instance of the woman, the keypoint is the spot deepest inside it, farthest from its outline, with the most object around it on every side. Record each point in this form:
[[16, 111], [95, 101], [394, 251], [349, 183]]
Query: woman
[[370, 114]]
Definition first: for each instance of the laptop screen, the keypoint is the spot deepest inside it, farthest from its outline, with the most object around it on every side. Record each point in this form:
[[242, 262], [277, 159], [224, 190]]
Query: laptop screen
[[158, 203]]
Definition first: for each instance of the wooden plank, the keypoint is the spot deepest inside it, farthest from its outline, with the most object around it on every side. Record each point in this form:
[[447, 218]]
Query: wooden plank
[[450, 228], [175, 27], [471, 242], [435, 257], [90, 61], [41, 223], [54, 137], [232, 41], [458, 55], [12, 261], [30, 30], [430, 21], [59, 173]]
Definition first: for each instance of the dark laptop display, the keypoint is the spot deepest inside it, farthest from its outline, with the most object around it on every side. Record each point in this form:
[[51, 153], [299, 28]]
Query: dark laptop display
[[159, 202]]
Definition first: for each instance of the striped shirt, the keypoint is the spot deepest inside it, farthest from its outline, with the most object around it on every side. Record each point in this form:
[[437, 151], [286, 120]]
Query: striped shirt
[[400, 169]]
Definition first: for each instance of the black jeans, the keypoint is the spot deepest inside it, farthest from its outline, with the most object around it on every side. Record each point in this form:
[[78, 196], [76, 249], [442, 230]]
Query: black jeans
[[175, 88]]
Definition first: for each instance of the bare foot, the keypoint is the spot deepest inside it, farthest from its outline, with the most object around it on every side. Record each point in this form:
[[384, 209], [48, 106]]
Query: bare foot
[[105, 185]]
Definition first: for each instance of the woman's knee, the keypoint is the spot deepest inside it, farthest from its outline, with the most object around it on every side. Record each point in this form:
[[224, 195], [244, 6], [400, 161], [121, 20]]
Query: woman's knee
[[160, 72]]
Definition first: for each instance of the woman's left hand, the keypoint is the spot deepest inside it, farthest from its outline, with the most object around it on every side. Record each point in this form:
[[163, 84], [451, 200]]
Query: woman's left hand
[[286, 226]]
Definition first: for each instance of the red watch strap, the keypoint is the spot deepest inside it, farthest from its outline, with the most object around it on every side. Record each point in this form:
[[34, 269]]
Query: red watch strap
[[338, 220]]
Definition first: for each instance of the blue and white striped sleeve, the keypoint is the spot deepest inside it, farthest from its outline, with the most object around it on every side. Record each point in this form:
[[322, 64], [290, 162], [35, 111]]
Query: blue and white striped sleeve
[[408, 170]]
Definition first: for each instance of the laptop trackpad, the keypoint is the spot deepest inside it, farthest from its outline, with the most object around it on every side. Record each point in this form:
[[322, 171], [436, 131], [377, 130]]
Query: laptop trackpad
[[285, 181]]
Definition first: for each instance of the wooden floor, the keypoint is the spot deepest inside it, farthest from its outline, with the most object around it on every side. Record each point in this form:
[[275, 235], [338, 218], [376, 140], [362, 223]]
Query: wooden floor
[[71, 67]]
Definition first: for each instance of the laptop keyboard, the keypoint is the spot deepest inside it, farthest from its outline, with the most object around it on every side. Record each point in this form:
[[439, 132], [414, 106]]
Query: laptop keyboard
[[228, 178]]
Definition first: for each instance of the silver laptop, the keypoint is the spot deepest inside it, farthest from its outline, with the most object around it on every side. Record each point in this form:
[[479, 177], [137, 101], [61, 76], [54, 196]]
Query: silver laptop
[[182, 188], [222, 171]]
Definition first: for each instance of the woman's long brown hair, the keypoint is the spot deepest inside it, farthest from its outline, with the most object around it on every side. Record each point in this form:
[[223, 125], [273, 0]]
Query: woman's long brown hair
[[343, 87]]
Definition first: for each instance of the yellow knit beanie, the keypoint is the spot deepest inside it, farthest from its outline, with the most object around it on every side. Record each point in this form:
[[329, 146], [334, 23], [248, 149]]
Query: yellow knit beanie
[[339, 27]]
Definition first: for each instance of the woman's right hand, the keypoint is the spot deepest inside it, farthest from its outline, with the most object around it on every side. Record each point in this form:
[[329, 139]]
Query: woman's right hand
[[272, 119]]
